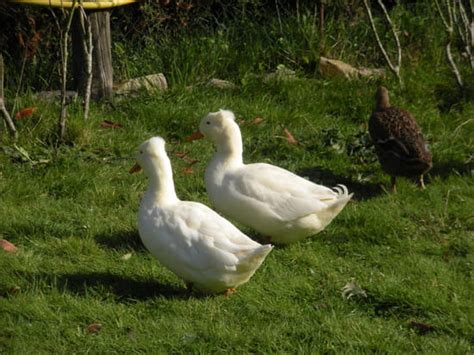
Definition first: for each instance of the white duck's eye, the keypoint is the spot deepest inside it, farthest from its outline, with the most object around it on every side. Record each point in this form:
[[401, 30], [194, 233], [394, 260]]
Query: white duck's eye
[[208, 122], [141, 151]]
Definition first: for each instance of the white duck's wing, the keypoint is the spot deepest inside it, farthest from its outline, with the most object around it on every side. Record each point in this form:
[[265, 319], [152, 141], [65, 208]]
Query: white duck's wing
[[203, 240], [287, 195]]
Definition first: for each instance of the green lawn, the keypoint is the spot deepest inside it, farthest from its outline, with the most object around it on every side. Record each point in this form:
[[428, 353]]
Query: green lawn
[[72, 215]]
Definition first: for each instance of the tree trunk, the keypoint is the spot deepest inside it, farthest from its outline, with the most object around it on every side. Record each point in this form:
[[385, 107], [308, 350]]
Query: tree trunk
[[102, 74]]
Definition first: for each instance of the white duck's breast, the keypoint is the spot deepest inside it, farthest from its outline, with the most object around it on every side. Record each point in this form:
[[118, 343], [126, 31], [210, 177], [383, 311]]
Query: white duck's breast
[[196, 244]]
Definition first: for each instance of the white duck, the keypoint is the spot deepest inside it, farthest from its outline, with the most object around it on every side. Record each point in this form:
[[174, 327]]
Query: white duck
[[273, 201], [189, 238]]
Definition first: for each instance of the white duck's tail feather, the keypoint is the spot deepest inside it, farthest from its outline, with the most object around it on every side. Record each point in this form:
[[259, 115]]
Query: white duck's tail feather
[[254, 258], [334, 207], [343, 197]]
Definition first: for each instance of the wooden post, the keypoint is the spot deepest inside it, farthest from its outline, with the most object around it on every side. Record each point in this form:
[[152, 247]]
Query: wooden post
[[102, 74]]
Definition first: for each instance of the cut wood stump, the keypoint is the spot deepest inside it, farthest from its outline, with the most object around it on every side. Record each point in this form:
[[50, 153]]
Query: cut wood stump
[[102, 73]]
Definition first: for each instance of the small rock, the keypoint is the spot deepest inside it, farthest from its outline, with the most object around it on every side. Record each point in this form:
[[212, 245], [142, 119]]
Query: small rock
[[221, 84], [371, 72], [281, 73], [334, 67], [55, 95], [148, 83]]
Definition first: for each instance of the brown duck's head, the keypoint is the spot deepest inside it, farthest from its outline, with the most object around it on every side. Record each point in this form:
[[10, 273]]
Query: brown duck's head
[[381, 98]]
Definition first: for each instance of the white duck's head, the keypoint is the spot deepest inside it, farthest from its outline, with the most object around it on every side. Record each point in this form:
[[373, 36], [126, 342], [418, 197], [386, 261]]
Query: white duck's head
[[221, 128], [150, 155], [152, 158]]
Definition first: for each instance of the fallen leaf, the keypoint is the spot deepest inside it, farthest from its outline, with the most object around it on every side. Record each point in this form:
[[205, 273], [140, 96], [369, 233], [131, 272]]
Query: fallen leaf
[[15, 290], [110, 125], [7, 246], [184, 5], [94, 328], [352, 289], [126, 256], [289, 137], [186, 158], [188, 170], [28, 111], [194, 136], [180, 154], [257, 121], [192, 161], [422, 328], [241, 122]]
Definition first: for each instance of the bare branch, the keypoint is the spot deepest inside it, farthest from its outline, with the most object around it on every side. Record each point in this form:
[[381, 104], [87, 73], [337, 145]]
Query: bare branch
[[453, 65], [467, 36], [64, 58], [394, 33], [448, 24], [88, 47], [445, 22], [394, 68], [6, 115]]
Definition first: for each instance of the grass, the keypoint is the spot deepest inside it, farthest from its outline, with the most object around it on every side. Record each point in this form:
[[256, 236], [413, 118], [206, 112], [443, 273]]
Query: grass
[[71, 209], [74, 218]]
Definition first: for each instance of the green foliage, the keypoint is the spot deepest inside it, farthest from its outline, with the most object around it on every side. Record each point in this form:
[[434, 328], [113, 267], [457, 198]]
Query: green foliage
[[71, 211], [237, 38]]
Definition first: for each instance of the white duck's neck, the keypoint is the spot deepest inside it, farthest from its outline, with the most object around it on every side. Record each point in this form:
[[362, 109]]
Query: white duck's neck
[[161, 185], [229, 146]]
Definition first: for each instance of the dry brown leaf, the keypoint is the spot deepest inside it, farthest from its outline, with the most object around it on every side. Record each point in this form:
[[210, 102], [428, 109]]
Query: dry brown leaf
[[188, 170], [241, 122], [110, 125], [180, 154], [192, 161], [184, 5], [15, 290], [256, 121], [422, 328], [186, 158], [7, 246], [289, 137], [93, 328], [194, 136], [25, 112]]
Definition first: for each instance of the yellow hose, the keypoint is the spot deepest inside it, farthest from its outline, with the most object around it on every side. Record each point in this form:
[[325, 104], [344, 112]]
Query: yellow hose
[[88, 5]]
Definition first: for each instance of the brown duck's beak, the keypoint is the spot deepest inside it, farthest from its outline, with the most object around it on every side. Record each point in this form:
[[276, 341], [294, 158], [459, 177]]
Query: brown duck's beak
[[135, 169], [194, 137]]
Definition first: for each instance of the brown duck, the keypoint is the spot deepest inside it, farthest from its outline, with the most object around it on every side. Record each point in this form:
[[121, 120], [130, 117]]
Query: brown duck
[[398, 141]]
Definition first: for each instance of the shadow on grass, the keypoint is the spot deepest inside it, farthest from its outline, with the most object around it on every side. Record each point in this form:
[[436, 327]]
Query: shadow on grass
[[122, 287], [123, 240], [362, 191], [445, 169]]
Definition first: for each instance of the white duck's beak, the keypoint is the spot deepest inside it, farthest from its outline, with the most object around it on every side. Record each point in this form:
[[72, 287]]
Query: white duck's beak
[[194, 136], [135, 169]]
